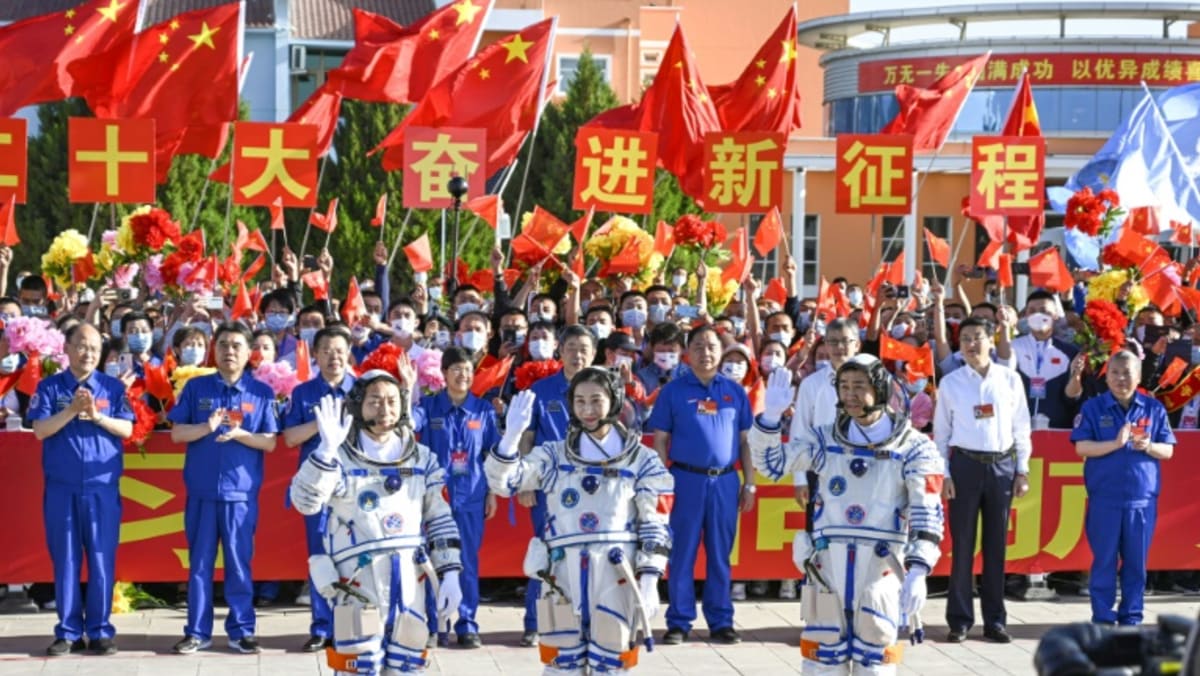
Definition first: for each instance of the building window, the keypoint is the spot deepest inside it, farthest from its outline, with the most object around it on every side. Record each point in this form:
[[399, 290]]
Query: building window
[[316, 65], [940, 226], [811, 274], [569, 63], [893, 238]]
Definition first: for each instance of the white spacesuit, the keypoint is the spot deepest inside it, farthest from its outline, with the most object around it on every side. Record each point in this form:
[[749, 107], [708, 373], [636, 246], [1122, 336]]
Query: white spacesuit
[[608, 501], [389, 531], [877, 514]]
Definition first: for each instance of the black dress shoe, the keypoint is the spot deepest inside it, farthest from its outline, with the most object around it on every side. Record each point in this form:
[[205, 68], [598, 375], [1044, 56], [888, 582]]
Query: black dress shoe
[[470, 640], [314, 644], [62, 646], [674, 636], [529, 639], [956, 636], [102, 646], [997, 634], [725, 636]]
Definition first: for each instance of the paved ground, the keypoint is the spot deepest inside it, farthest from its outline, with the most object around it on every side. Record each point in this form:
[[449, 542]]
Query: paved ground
[[768, 627]]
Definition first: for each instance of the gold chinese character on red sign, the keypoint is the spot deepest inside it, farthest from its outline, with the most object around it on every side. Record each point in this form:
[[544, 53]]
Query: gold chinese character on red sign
[[614, 170], [874, 173], [1007, 175], [433, 156], [743, 171]]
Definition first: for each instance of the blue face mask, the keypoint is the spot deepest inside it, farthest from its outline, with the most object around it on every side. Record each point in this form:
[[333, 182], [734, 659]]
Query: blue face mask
[[916, 387], [10, 363], [308, 334], [658, 313], [114, 327], [277, 321], [112, 369], [139, 342], [633, 318], [191, 355]]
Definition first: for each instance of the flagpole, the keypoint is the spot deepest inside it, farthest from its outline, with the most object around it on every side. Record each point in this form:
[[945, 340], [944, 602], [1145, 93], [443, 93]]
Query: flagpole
[[540, 107], [313, 209], [92, 226], [399, 237], [957, 248]]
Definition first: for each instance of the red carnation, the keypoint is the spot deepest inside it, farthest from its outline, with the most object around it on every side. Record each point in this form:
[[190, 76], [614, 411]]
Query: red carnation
[[144, 418], [1093, 214], [169, 270], [532, 371], [154, 229], [1107, 321], [386, 357]]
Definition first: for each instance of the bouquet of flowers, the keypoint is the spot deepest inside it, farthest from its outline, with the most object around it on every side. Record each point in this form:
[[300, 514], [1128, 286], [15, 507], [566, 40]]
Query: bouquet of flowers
[[1104, 331], [612, 237], [128, 597], [386, 357], [279, 376], [182, 374], [39, 340], [68, 247], [719, 292], [532, 371], [1094, 214], [1116, 285], [429, 372], [691, 231], [146, 232], [144, 418]]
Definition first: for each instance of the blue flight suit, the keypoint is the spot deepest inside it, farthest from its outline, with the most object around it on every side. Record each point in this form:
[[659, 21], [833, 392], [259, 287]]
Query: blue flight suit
[[222, 481], [81, 508], [551, 415], [361, 352], [301, 410], [1122, 489], [461, 437], [705, 423], [653, 377]]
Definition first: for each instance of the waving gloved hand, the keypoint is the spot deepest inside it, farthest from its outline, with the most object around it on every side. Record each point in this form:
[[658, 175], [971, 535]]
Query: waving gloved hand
[[333, 425], [516, 421], [778, 396], [449, 595], [648, 586], [912, 596]]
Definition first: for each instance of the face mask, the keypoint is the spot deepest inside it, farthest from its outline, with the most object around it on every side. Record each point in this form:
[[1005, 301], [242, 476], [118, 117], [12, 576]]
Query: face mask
[[114, 327], [918, 386], [540, 349], [473, 340], [1040, 321], [441, 339], [435, 293], [666, 360], [633, 318], [543, 317], [899, 331], [782, 336], [770, 362], [138, 342], [953, 321], [191, 355], [464, 308], [658, 313], [277, 321], [359, 333], [855, 297], [421, 277], [33, 310], [622, 360], [739, 325], [824, 364], [601, 331], [10, 363], [735, 371], [112, 369], [308, 334], [679, 281], [403, 327]]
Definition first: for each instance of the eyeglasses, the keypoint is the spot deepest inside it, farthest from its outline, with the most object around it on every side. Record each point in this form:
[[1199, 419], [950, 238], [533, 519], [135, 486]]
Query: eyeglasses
[[843, 342]]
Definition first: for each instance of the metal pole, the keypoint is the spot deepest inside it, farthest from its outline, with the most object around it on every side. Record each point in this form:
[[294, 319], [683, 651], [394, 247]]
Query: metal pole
[[457, 206]]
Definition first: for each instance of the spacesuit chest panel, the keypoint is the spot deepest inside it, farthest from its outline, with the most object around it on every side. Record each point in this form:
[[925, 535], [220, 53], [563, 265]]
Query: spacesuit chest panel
[[588, 499], [859, 493], [379, 503]]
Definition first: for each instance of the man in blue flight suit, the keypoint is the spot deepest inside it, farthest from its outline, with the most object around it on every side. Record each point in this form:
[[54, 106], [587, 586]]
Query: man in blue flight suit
[[227, 421], [460, 429], [1122, 435], [550, 418], [700, 421], [332, 347], [81, 416]]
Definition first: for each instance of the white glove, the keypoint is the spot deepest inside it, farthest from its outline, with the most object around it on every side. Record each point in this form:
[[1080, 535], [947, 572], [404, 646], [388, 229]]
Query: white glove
[[518, 419], [648, 586], [333, 425], [778, 396], [912, 596], [449, 595]]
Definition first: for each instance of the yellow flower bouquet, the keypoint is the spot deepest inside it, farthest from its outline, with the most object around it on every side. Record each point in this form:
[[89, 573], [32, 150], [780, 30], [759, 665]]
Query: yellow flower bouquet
[[612, 238], [68, 247], [182, 374], [1108, 286]]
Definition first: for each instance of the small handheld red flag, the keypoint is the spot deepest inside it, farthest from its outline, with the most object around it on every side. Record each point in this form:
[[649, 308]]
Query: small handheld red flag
[[769, 233], [580, 227], [491, 374], [277, 214], [1171, 374], [420, 256], [664, 239], [776, 291], [328, 220], [380, 211], [315, 280], [242, 306], [303, 362], [354, 308], [939, 250], [486, 207], [8, 219]]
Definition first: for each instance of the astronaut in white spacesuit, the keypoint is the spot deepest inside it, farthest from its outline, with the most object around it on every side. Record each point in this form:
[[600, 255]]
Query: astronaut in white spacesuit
[[606, 539], [389, 528], [877, 519]]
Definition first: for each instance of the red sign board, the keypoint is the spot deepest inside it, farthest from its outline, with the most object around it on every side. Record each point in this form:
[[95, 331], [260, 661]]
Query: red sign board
[[743, 171], [1008, 176], [614, 170], [275, 162], [14, 148], [874, 173], [1077, 68], [432, 156], [110, 160]]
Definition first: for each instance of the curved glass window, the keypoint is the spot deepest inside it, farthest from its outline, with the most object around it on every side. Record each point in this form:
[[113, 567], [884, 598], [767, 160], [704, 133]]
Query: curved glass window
[[1061, 110]]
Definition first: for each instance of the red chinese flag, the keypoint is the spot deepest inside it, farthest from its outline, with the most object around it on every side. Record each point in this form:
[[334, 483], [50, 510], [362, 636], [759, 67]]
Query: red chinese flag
[[315, 280], [257, 265], [257, 242], [486, 207], [1144, 221], [461, 271], [328, 220], [1048, 271], [14, 164], [539, 237], [776, 291], [83, 269], [928, 114], [491, 374], [31, 375], [276, 207], [157, 382], [390, 63], [321, 109], [275, 161], [182, 72], [896, 350], [8, 221], [1022, 117], [248, 240], [664, 238], [895, 271], [380, 212], [1171, 374], [1004, 275], [303, 362], [1187, 296], [354, 308], [741, 262], [990, 258], [1182, 234], [36, 52], [110, 160], [921, 364], [580, 227], [825, 302], [242, 307], [939, 249], [766, 97], [577, 266], [769, 233], [628, 260], [500, 90], [420, 256]]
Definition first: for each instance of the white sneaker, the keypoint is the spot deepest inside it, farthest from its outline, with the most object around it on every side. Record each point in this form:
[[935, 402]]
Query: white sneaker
[[757, 589], [303, 598], [787, 590], [738, 593]]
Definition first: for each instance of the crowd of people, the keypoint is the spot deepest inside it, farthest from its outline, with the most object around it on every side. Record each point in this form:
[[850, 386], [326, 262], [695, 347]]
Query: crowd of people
[[629, 420]]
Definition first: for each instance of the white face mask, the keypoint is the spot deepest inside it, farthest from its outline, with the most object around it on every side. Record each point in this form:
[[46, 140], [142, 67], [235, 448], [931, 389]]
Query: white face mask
[[601, 331], [770, 362], [734, 370], [421, 277], [855, 297], [823, 364], [782, 336], [359, 333], [10, 363], [435, 293], [404, 327], [666, 360], [473, 340], [464, 308], [541, 349], [1039, 321], [442, 339], [623, 360], [899, 331], [679, 280], [658, 312]]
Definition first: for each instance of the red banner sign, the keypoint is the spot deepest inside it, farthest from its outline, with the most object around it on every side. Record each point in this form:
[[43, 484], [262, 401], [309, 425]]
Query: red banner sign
[[110, 160], [1126, 69], [1008, 175], [743, 171], [432, 156], [1045, 533], [614, 170], [874, 174], [275, 162], [14, 148]]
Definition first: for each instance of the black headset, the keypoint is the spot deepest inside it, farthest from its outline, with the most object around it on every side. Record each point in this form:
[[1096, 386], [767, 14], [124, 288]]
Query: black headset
[[358, 392]]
